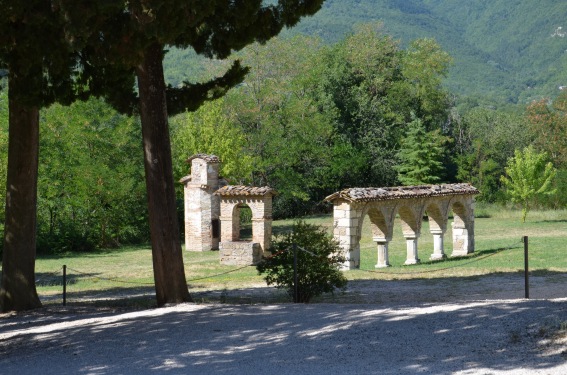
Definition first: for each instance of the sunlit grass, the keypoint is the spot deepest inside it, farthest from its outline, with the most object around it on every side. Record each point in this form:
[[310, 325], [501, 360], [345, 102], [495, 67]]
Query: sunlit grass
[[499, 249]]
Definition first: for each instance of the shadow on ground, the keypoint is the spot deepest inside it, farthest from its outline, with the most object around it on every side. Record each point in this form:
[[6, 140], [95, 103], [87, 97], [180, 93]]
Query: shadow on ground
[[499, 337]]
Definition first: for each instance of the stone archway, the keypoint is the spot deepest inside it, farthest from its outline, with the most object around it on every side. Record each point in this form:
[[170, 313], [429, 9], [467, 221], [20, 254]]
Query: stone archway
[[410, 203], [233, 250]]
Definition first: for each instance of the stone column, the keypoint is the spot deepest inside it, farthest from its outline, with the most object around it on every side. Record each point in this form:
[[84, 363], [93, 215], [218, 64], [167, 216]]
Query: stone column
[[411, 257], [383, 260], [438, 246], [346, 220], [463, 229], [262, 232]]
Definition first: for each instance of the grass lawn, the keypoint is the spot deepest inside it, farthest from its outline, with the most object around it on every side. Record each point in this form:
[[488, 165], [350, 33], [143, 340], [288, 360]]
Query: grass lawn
[[499, 249]]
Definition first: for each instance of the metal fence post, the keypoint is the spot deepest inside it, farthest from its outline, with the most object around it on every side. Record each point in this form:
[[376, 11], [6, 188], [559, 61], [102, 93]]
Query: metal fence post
[[64, 285], [526, 268], [295, 278]]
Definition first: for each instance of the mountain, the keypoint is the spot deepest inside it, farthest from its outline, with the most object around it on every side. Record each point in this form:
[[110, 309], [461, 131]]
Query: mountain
[[509, 51]]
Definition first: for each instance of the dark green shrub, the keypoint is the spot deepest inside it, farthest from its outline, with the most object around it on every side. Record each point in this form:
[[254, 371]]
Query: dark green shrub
[[318, 262]]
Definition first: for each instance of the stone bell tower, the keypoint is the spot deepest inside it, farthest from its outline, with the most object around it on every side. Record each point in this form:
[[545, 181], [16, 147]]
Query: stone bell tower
[[202, 207]]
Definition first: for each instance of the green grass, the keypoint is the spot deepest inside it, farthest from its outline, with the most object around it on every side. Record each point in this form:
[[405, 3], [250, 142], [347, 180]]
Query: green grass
[[499, 249]]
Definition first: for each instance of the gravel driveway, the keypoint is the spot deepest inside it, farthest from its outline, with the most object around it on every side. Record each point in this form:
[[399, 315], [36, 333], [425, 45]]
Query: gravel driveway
[[491, 336]]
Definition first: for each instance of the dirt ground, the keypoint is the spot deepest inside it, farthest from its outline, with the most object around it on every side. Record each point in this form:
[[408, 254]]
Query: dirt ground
[[471, 325]]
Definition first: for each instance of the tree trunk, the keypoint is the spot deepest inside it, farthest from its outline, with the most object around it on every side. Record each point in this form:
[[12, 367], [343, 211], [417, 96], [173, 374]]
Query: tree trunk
[[17, 291], [169, 273]]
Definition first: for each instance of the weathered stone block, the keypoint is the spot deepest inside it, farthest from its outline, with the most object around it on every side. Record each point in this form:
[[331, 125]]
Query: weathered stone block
[[240, 253]]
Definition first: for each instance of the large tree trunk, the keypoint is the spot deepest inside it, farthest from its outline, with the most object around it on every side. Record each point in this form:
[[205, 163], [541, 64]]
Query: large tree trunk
[[169, 273], [17, 291]]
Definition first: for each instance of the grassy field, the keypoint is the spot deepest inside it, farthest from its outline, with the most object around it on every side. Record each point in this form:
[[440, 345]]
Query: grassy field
[[499, 249]]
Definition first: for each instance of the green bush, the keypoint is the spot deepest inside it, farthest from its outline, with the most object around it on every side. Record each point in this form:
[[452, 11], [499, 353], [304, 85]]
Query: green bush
[[318, 262]]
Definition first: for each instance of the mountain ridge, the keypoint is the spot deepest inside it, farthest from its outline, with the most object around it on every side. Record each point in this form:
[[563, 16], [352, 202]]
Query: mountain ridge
[[504, 51]]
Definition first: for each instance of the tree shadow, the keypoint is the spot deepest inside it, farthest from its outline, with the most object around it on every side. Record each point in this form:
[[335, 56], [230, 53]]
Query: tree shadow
[[289, 339]]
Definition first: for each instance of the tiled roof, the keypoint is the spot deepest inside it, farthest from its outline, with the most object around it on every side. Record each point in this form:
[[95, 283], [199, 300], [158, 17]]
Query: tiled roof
[[389, 193], [245, 190], [205, 157]]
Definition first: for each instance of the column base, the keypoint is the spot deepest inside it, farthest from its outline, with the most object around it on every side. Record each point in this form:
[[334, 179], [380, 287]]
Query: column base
[[409, 262], [383, 265], [437, 257]]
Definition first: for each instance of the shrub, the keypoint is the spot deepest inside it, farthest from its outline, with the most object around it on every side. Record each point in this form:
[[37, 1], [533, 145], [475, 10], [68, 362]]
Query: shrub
[[318, 262]]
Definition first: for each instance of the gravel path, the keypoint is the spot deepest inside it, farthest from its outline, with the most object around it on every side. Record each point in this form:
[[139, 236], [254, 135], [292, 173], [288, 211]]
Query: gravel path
[[402, 332]]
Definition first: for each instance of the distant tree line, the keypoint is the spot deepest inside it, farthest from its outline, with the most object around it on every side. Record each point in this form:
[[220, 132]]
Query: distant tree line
[[309, 119]]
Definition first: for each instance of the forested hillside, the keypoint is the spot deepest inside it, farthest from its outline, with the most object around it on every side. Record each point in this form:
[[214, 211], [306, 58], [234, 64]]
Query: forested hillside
[[365, 93], [510, 51]]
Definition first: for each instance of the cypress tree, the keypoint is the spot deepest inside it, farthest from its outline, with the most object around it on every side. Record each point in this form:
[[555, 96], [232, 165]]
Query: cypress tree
[[38, 65], [134, 39]]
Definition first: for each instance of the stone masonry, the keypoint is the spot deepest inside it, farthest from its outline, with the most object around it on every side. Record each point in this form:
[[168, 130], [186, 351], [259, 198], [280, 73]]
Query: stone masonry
[[212, 213], [410, 203], [202, 227], [259, 199]]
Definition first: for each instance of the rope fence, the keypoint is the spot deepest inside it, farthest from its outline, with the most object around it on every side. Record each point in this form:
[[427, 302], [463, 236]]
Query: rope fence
[[63, 270]]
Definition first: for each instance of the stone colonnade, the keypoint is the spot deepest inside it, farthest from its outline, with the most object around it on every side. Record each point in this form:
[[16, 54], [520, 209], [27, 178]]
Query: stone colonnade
[[233, 251], [410, 203]]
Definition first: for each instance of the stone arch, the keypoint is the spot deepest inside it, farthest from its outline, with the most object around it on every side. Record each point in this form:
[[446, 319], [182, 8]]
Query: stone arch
[[382, 226], [411, 214], [411, 202], [438, 215], [233, 249]]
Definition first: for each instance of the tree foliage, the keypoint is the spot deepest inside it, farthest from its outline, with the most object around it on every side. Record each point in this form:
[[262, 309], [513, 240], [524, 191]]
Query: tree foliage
[[318, 262], [132, 38], [209, 130], [529, 175], [421, 155], [40, 66], [484, 140], [90, 191], [548, 124], [374, 86]]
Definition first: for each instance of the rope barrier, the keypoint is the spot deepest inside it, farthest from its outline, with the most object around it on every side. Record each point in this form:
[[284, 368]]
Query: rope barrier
[[113, 279], [220, 274], [108, 278]]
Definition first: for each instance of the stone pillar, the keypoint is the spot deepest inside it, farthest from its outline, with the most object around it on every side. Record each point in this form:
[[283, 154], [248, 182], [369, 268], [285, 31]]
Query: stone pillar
[[438, 247], [463, 228], [230, 228], [411, 257], [347, 218], [262, 232], [201, 206], [383, 260]]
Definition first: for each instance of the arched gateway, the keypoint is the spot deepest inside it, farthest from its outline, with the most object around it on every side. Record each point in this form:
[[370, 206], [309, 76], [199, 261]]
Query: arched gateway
[[410, 203]]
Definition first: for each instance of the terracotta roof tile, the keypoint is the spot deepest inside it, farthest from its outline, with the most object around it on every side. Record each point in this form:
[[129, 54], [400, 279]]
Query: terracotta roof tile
[[205, 157], [389, 193], [233, 190]]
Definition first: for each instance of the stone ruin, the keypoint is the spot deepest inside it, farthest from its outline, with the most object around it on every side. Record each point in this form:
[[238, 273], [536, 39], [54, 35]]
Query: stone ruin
[[212, 214], [350, 207]]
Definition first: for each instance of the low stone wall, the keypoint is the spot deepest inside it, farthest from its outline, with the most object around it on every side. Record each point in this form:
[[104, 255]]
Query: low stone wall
[[240, 253]]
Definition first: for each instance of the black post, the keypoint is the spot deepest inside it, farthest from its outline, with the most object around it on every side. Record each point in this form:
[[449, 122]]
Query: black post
[[64, 285], [526, 274], [295, 283]]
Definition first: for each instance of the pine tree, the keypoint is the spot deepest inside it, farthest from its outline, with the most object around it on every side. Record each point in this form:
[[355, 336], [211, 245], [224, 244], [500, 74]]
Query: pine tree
[[421, 155]]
